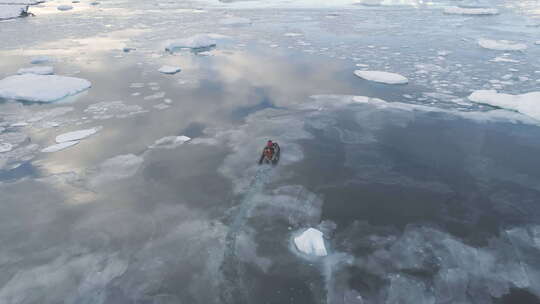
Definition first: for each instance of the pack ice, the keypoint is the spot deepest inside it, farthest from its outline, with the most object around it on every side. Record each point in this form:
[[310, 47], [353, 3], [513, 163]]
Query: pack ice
[[382, 77], [528, 104], [41, 88], [501, 45], [455, 10], [311, 242]]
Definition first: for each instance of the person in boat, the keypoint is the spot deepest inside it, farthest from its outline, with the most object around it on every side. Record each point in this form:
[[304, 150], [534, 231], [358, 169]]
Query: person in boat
[[268, 152]]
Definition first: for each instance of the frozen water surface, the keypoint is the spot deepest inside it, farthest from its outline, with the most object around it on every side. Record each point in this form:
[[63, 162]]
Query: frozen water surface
[[424, 193]]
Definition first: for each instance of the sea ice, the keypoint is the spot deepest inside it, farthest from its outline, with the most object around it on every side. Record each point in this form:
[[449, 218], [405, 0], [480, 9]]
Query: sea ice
[[41, 88], [64, 7], [39, 70], [110, 109], [21, 2], [40, 59], [5, 147], [528, 104], [170, 142], [455, 10], [194, 42], [12, 11], [311, 242], [76, 135], [501, 45], [382, 77], [118, 167], [167, 69], [60, 146]]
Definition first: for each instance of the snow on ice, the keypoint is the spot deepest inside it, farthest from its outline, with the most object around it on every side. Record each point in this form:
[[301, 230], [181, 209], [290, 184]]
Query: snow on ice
[[528, 104], [382, 77], [501, 45], [41, 88], [311, 242]]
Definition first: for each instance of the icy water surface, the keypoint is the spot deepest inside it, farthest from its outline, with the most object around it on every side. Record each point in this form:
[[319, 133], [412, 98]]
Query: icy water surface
[[422, 195]]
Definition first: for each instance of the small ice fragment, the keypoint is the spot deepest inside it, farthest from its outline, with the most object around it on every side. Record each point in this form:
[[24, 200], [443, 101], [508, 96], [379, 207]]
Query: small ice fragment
[[501, 45], [381, 77], [60, 146], [311, 242], [158, 95], [235, 21], [39, 70], [170, 142], [76, 135], [292, 34], [194, 42], [167, 69], [41, 88], [64, 7]]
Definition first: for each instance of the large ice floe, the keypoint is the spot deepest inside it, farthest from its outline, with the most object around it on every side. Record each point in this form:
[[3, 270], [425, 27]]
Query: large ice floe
[[311, 242], [198, 41], [12, 11], [501, 45], [41, 88], [483, 11], [382, 77], [528, 104], [38, 70]]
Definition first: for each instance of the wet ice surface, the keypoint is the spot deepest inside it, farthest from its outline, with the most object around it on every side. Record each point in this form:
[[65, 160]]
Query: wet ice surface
[[421, 194]]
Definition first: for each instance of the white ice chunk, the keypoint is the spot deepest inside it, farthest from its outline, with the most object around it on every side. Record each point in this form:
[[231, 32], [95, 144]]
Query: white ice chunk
[[167, 69], [382, 77], [194, 42], [64, 7], [12, 11], [170, 142], [39, 70], [501, 45], [454, 10], [60, 146], [235, 21], [293, 34], [311, 242], [76, 135], [41, 88], [528, 104], [504, 59]]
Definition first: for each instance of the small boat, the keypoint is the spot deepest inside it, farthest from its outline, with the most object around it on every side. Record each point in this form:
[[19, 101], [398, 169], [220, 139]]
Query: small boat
[[270, 153]]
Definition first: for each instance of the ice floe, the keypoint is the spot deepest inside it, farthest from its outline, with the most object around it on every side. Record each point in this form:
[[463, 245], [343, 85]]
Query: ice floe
[[5, 147], [528, 104], [311, 242], [501, 45], [455, 10], [39, 70], [115, 168], [60, 146], [381, 77], [198, 41], [170, 142], [12, 11], [64, 7], [76, 135], [41, 88], [167, 69]]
